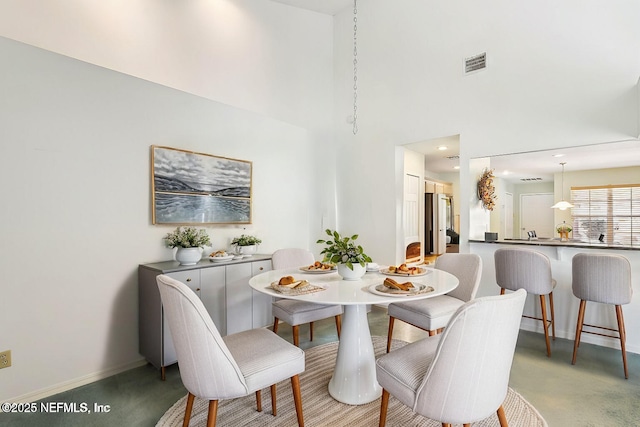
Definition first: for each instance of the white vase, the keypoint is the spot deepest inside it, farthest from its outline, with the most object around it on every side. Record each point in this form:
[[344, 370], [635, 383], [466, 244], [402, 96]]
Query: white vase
[[347, 274], [246, 250], [188, 256]]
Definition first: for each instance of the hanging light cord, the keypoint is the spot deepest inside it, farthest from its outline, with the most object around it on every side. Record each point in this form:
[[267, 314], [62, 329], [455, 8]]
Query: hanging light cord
[[355, 67]]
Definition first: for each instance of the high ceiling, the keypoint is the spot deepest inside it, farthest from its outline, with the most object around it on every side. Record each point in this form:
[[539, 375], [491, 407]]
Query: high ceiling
[[329, 7], [535, 164], [540, 164]]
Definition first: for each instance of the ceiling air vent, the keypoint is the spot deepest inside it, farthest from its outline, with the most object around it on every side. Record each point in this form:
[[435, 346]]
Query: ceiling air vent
[[475, 63], [453, 157], [530, 179]]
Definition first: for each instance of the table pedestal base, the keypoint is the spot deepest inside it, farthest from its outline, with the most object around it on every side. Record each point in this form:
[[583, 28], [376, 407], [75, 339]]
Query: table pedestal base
[[354, 378]]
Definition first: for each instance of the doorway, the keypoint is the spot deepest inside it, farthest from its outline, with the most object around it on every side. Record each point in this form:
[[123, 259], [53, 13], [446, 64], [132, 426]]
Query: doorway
[[536, 214]]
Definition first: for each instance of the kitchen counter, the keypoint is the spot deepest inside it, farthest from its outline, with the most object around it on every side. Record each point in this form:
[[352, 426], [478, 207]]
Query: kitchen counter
[[541, 241], [566, 304]]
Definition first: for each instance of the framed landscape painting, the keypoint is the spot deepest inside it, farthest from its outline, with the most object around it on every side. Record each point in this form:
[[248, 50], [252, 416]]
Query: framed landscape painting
[[198, 188]]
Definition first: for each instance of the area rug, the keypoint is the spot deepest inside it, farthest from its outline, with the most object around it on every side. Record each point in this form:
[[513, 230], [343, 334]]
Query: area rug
[[321, 410]]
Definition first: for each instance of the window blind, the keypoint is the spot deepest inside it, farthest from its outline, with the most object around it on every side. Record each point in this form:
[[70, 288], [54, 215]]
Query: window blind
[[610, 214]]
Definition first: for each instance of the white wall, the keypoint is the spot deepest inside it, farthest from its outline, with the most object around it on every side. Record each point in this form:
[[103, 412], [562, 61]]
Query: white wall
[[543, 87], [74, 157], [262, 56], [75, 138]]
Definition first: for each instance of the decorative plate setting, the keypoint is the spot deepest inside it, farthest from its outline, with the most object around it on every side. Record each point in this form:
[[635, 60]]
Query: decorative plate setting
[[385, 291], [220, 258], [422, 272], [317, 270]]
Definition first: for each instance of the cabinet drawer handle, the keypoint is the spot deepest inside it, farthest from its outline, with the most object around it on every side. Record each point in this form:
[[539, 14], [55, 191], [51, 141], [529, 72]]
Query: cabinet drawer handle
[[188, 279], [261, 268], [198, 289]]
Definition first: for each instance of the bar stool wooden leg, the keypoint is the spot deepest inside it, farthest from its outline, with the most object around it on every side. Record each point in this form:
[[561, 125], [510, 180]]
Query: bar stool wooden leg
[[310, 331], [623, 338], [543, 304], [553, 316], [338, 324], [576, 342]]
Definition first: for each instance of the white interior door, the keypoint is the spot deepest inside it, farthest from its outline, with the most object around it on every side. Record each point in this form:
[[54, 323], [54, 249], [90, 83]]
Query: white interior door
[[507, 220], [411, 220], [536, 214], [440, 228]]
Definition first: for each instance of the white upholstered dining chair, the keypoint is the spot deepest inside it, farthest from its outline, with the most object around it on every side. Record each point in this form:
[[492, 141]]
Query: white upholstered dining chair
[[603, 278], [432, 314], [460, 376], [294, 312], [529, 270], [216, 368]]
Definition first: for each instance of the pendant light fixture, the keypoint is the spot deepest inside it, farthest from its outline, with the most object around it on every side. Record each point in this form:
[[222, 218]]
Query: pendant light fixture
[[562, 204]]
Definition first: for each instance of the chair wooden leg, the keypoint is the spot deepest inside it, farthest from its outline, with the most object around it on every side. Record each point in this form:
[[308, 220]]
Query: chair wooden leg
[[310, 331], [383, 408], [623, 338], [502, 291], [297, 398], [553, 316], [432, 333], [259, 401], [439, 330], [390, 333], [576, 342], [466, 425], [446, 425], [275, 324], [296, 333], [338, 324], [543, 305], [213, 413], [187, 411], [502, 417], [273, 400]]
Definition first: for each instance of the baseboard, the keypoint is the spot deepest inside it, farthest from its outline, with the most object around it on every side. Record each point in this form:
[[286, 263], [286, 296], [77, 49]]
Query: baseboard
[[77, 382]]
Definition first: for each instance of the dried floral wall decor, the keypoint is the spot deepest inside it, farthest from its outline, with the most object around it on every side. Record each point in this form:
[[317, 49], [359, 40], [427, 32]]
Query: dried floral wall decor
[[486, 190]]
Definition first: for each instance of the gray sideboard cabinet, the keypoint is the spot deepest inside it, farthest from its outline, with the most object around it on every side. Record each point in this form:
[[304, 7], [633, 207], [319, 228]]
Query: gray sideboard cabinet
[[222, 287]]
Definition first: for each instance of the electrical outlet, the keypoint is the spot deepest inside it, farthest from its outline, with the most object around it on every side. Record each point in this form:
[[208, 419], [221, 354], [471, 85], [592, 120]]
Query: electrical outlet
[[5, 359]]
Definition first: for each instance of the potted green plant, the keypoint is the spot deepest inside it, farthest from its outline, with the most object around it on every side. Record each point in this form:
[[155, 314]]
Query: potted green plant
[[564, 229], [190, 241], [343, 251], [246, 245]]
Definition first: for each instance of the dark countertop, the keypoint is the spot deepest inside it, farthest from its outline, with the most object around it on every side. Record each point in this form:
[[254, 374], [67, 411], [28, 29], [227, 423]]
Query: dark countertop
[[557, 242]]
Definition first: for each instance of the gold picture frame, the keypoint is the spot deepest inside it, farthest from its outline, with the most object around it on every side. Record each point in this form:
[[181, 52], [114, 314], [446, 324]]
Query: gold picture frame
[[188, 187]]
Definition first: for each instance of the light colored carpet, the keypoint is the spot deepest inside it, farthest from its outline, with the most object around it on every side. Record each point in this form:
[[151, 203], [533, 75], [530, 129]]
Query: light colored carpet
[[320, 409]]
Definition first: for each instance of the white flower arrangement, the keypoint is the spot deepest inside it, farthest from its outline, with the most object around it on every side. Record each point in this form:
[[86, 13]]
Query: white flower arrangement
[[187, 237]]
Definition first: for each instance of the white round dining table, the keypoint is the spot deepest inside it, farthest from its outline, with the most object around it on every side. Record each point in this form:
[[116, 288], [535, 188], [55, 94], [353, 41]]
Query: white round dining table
[[354, 377]]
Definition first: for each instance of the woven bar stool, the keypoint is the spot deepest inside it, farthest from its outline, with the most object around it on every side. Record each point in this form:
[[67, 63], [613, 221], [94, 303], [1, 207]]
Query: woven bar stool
[[603, 278]]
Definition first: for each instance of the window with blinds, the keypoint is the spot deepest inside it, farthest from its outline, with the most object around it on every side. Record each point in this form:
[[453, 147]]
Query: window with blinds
[[610, 214]]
